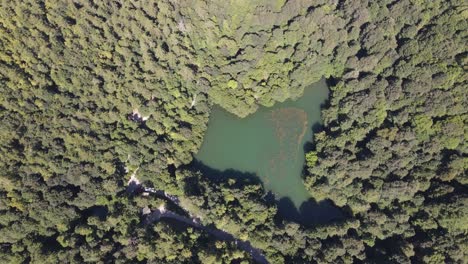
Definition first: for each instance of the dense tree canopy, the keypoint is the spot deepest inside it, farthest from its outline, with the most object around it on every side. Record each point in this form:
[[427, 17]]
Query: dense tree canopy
[[92, 92]]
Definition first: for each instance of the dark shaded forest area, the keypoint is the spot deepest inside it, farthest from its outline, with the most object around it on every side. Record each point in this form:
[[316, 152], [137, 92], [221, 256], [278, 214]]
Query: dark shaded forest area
[[92, 92]]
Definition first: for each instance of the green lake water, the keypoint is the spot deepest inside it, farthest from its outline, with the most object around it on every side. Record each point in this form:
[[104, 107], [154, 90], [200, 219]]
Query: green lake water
[[269, 143]]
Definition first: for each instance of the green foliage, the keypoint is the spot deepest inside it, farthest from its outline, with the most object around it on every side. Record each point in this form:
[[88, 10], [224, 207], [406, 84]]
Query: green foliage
[[232, 84], [91, 91], [423, 126], [394, 135], [311, 159]]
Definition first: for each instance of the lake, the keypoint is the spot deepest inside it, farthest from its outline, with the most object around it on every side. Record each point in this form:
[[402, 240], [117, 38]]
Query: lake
[[269, 144]]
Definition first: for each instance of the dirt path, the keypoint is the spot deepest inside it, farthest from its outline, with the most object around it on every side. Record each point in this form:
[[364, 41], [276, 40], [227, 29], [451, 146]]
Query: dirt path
[[159, 213]]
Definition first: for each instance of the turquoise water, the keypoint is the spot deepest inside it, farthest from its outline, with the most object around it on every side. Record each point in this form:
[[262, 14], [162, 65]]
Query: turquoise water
[[269, 143]]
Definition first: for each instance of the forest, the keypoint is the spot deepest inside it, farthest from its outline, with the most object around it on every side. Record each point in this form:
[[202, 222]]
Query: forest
[[95, 92]]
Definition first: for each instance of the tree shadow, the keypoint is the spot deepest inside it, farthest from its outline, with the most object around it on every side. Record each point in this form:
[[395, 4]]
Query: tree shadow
[[133, 189], [310, 212], [217, 176]]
